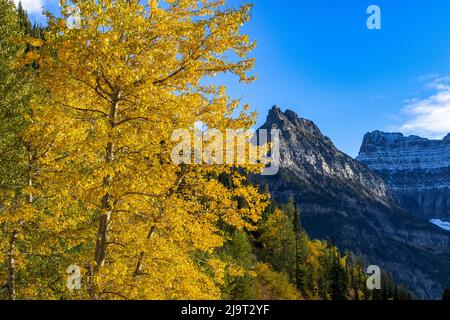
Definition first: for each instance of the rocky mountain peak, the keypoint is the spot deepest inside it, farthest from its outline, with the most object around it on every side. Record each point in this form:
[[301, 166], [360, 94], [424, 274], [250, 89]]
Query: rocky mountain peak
[[293, 126], [276, 115], [306, 151]]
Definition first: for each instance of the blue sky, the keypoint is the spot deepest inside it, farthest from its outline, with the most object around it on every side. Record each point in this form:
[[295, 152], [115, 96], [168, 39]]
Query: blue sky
[[319, 59]]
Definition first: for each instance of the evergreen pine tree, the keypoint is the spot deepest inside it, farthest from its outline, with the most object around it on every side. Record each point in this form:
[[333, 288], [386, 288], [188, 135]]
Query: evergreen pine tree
[[338, 279], [26, 26], [24, 21], [239, 249], [301, 247], [277, 241]]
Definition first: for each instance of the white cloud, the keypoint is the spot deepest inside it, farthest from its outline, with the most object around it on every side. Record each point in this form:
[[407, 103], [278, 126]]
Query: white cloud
[[428, 76], [32, 6], [429, 117]]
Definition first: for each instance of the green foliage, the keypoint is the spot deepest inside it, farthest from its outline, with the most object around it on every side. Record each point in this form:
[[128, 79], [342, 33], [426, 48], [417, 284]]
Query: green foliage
[[339, 279], [25, 25], [17, 165], [390, 290], [302, 254], [14, 97], [278, 243], [13, 100], [239, 251], [16, 91], [317, 268]]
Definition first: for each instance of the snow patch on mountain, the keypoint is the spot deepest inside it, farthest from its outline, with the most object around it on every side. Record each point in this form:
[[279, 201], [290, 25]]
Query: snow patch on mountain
[[441, 224]]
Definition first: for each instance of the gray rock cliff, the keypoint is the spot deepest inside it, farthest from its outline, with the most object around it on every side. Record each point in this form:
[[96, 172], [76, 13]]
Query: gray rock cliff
[[417, 170]]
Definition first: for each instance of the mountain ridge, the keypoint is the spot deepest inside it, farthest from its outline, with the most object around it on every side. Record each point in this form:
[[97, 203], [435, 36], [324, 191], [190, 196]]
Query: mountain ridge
[[416, 169]]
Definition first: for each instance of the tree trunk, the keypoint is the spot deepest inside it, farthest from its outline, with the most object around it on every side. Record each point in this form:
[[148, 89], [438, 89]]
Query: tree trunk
[[12, 267], [11, 263], [103, 225], [30, 197], [105, 219], [139, 265]]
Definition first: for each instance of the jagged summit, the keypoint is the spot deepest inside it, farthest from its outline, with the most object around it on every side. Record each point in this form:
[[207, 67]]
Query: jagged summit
[[291, 118], [291, 125]]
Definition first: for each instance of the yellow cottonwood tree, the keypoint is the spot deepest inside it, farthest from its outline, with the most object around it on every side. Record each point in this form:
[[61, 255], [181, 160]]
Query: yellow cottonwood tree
[[121, 82]]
